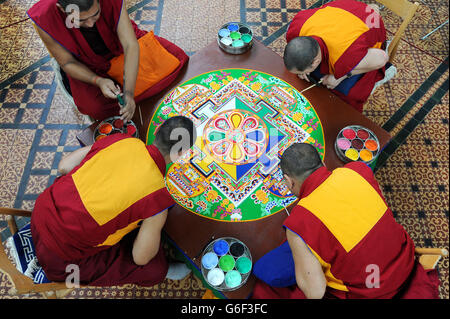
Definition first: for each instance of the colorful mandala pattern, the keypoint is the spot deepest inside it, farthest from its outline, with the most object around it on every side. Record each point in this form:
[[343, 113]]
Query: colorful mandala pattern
[[245, 120]]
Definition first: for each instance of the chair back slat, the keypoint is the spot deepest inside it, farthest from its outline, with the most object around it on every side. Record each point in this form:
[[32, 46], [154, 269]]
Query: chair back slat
[[406, 10]]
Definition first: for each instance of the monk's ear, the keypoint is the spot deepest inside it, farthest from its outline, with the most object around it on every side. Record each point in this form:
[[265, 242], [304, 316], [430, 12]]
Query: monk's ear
[[289, 181], [318, 58]]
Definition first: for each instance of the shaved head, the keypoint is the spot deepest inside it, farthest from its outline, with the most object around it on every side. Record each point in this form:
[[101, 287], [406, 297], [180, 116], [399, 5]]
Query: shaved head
[[300, 53], [299, 160]]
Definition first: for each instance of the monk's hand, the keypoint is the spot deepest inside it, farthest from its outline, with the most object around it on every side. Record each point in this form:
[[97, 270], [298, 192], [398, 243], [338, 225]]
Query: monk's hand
[[127, 111], [331, 82], [303, 76], [108, 88]]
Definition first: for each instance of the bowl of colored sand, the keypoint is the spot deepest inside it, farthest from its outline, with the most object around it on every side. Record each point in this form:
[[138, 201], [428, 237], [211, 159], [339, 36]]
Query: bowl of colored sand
[[113, 125], [357, 143], [226, 264], [235, 37]]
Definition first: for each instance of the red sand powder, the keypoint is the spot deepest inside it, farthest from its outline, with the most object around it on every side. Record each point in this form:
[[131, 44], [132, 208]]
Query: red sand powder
[[349, 133], [131, 129], [363, 134], [118, 123]]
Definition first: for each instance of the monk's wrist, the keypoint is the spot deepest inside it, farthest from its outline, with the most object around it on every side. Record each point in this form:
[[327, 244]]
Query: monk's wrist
[[128, 94], [95, 80]]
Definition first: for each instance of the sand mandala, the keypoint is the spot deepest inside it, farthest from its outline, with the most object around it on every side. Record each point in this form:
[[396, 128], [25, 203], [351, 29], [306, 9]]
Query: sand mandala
[[245, 119]]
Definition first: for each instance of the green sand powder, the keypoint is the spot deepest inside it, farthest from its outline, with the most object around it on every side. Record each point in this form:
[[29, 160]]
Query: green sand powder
[[233, 279], [226, 263], [243, 265], [235, 35], [246, 38]]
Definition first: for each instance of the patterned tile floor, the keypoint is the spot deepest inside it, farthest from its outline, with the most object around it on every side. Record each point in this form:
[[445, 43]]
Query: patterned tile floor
[[38, 125]]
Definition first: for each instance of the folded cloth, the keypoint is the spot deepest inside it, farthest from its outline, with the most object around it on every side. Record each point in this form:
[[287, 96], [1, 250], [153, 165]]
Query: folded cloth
[[21, 249], [155, 63]]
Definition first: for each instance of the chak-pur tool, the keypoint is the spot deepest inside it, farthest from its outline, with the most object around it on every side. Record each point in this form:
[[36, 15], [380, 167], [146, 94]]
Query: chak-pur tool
[[310, 87]]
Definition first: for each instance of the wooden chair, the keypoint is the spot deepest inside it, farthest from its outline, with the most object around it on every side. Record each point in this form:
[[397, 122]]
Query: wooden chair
[[21, 283], [429, 257], [406, 11]]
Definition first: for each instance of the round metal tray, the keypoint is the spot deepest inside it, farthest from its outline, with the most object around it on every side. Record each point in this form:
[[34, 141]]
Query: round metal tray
[[227, 42], [123, 129], [340, 153], [244, 277]]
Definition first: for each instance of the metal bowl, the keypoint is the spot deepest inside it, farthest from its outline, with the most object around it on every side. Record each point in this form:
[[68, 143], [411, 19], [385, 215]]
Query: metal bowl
[[340, 153], [244, 277], [110, 121], [230, 43]]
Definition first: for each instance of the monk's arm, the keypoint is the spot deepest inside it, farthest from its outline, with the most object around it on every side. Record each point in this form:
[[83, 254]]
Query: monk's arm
[[75, 68], [308, 271], [130, 45], [147, 242], [374, 59], [73, 159]]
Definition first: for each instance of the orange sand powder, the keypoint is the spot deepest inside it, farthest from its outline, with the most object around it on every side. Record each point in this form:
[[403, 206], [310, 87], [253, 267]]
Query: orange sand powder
[[366, 155], [371, 145]]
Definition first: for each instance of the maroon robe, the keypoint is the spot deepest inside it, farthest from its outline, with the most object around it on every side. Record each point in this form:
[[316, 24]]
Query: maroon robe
[[88, 98], [339, 66]]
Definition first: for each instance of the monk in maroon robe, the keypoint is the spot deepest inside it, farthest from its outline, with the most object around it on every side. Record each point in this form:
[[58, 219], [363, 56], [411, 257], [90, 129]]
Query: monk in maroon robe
[[343, 44], [83, 36], [105, 213]]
